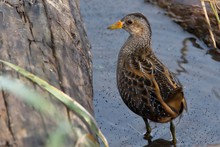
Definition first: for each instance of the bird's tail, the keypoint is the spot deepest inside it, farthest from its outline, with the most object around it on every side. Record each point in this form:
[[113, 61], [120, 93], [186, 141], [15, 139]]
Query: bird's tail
[[176, 101]]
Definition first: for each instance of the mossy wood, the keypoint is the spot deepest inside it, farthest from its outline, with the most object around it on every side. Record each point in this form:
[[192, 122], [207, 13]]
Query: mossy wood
[[47, 38]]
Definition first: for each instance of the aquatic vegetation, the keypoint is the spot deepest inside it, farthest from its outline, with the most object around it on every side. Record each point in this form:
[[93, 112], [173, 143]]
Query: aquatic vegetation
[[215, 9]]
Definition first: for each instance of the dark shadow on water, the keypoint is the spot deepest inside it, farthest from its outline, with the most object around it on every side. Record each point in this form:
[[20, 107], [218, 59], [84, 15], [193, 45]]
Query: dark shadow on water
[[183, 52], [194, 43], [214, 54], [160, 143]]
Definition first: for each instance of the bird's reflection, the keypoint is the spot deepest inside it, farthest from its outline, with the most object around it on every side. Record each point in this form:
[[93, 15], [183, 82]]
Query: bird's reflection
[[183, 52], [183, 59], [160, 143]]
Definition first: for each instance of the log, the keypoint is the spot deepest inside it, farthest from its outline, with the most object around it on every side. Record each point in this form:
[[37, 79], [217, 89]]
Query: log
[[47, 38]]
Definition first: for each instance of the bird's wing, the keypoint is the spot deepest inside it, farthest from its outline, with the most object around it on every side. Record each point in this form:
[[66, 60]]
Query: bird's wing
[[150, 79]]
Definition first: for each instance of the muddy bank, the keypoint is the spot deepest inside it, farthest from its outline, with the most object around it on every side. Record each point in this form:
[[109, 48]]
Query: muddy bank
[[190, 15]]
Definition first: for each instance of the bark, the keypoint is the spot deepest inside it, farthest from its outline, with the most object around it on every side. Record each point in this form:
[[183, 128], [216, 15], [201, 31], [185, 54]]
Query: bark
[[47, 38]]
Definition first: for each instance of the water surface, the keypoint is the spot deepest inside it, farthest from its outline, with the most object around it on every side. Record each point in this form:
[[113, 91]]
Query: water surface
[[181, 52]]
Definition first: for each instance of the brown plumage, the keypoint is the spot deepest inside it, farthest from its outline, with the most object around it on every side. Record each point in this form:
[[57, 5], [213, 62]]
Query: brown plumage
[[145, 84]]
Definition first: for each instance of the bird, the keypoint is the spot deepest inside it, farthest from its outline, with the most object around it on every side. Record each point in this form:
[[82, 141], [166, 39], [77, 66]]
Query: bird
[[145, 84]]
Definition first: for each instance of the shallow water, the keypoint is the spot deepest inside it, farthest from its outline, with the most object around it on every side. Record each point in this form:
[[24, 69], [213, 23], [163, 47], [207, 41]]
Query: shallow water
[[183, 53]]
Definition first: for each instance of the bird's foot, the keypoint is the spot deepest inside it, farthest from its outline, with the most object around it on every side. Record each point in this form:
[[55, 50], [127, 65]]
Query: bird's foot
[[174, 141], [147, 136], [172, 129]]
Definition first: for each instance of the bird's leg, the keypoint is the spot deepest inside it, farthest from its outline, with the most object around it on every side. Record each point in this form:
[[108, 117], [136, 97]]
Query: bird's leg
[[147, 135], [172, 129]]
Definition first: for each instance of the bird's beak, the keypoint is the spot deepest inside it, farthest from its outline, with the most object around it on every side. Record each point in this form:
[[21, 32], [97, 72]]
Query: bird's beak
[[117, 25]]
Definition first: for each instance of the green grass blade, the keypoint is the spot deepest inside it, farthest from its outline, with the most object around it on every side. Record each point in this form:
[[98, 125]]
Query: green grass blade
[[209, 24], [27, 95], [56, 138], [31, 97], [87, 141], [215, 11], [64, 98]]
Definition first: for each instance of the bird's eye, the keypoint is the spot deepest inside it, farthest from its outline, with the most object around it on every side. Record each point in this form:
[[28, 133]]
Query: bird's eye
[[128, 22]]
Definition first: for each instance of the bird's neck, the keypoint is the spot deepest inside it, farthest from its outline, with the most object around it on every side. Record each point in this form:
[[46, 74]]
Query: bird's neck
[[135, 45], [143, 40], [137, 42]]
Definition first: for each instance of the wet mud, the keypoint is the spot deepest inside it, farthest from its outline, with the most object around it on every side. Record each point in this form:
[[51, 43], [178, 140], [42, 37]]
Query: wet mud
[[183, 53]]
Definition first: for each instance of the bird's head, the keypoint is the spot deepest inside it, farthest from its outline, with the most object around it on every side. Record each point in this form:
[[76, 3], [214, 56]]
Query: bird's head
[[134, 24]]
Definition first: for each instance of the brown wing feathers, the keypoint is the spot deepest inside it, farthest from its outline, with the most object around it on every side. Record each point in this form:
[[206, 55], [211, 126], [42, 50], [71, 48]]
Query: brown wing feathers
[[151, 87]]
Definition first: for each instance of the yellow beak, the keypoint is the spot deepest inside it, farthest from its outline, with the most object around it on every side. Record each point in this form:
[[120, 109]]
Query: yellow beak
[[117, 25]]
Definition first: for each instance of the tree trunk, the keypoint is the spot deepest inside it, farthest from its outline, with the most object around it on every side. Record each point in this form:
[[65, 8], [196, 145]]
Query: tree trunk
[[47, 38]]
